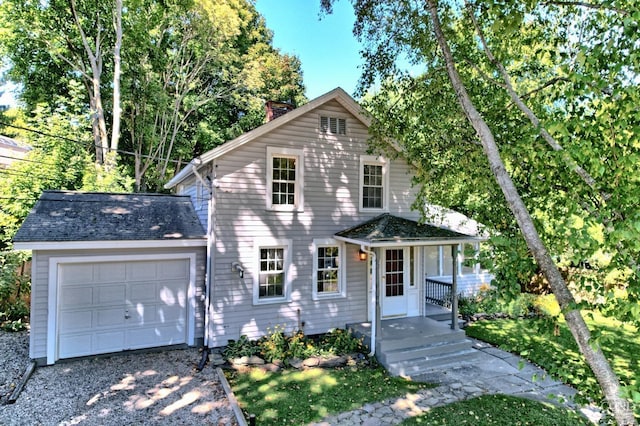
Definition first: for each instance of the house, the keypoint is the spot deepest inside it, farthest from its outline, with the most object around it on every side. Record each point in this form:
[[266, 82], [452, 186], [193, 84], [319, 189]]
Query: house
[[305, 229], [11, 151]]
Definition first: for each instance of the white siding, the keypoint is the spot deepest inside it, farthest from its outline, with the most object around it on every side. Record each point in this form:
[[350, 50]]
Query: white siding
[[40, 290], [331, 198]]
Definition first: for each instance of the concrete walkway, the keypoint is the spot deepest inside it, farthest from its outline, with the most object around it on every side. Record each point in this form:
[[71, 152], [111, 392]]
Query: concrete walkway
[[489, 371]]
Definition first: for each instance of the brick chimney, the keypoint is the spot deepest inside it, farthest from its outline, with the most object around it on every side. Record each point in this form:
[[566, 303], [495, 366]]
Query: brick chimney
[[277, 109]]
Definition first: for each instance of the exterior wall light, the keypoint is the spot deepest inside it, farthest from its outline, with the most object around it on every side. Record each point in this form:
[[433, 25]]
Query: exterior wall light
[[362, 255]]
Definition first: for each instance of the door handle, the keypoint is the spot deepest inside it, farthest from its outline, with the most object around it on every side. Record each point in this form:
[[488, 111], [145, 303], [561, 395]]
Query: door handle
[[126, 314]]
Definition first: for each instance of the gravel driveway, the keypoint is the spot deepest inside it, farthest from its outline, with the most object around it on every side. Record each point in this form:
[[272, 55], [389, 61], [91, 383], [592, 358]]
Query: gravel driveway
[[142, 388]]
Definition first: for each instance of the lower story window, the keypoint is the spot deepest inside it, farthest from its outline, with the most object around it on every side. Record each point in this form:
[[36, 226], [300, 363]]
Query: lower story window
[[327, 280], [271, 282], [272, 262]]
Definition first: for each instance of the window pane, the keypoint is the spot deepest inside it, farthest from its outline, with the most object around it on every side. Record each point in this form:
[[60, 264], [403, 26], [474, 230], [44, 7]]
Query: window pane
[[372, 189], [283, 187]]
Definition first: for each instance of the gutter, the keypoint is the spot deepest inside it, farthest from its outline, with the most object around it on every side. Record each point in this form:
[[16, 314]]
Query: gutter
[[374, 298]]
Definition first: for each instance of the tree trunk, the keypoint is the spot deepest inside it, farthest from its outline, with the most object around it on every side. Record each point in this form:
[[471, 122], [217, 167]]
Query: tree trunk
[[117, 111], [593, 354]]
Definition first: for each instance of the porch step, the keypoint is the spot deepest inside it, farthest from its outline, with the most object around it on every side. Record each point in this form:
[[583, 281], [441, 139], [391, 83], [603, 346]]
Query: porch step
[[431, 351], [415, 367]]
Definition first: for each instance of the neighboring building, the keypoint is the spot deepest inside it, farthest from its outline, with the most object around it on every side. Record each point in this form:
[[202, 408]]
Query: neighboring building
[[11, 151], [305, 229]]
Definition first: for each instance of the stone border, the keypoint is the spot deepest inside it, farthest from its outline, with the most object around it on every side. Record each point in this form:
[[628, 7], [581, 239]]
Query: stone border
[[231, 397]]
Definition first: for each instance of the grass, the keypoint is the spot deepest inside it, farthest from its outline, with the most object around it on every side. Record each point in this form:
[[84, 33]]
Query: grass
[[305, 396], [551, 346], [498, 410]]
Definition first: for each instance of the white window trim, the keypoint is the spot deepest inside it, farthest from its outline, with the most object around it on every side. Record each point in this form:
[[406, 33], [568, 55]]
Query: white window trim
[[272, 243], [376, 161], [298, 154], [342, 287]]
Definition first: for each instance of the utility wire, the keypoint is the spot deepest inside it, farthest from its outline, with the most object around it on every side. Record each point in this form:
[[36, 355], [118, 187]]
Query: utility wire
[[88, 144]]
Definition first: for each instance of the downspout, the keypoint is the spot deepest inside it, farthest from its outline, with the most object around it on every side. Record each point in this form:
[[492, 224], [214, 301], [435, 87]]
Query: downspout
[[209, 257], [454, 288], [374, 298]]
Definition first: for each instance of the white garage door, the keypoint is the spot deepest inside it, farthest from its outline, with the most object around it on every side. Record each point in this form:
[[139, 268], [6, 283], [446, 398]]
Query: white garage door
[[114, 306]]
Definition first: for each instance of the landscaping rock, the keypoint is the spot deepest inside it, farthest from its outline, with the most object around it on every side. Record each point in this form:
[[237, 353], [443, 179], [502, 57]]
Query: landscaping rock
[[248, 360], [311, 362], [271, 367], [333, 361], [295, 363]]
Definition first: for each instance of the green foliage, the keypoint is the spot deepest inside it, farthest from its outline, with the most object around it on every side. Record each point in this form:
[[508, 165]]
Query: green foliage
[[15, 287], [241, 347], [303, 397], [499, 410], [278, 345], [340, 341], [194, 73], [548, 343]]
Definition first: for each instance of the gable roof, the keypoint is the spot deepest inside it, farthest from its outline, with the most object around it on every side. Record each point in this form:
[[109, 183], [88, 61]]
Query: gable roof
[[387, 230], [61, 217], [337, 94]]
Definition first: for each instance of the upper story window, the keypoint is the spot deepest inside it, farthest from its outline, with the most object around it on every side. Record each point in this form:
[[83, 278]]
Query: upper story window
[[327, 273], [271, 283], [333, 125], [285, 174], [374, 183]]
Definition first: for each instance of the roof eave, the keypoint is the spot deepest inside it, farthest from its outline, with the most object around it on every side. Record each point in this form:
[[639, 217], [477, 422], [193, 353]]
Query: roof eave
[[410, 241], [102, 244]]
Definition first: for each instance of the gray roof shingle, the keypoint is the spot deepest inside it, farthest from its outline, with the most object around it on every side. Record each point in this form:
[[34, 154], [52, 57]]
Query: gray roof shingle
[[389, 228], [77, 216]]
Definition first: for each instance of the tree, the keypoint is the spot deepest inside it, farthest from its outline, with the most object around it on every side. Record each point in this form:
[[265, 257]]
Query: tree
[[183, 75], [579, 80]]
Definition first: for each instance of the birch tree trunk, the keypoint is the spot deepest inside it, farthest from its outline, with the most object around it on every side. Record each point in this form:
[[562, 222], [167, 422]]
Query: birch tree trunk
[[117, 110], [593, 354]]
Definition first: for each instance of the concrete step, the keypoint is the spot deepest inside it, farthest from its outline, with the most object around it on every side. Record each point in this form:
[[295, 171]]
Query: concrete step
[[415, 367], [402, 341], [425, 352]]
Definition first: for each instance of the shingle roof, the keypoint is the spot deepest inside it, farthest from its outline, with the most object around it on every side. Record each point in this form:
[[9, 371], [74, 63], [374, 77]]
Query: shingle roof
[[389, 228], [76, 216]]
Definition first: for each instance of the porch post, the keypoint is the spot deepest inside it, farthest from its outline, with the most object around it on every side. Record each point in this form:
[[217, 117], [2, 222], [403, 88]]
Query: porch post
[[454, 288]]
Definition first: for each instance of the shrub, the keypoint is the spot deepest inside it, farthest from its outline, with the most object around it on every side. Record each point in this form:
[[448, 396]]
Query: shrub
[[339, 341], [241, 347], [15, 290]]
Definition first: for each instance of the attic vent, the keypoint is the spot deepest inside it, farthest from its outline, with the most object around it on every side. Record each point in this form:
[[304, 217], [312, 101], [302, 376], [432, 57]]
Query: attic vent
[[333, 125]]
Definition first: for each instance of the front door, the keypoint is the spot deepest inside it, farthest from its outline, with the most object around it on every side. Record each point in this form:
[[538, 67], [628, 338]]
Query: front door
[[395, 278]]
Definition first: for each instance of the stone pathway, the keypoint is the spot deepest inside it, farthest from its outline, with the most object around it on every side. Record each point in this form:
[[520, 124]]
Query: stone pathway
[[490, 371]]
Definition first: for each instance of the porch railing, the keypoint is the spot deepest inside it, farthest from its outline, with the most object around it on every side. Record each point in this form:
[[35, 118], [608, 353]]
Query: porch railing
[[438, 292]]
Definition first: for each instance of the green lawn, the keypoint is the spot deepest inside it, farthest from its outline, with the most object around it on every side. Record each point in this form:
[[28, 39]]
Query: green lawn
[[558, 354], [498, 410], [300, 397]]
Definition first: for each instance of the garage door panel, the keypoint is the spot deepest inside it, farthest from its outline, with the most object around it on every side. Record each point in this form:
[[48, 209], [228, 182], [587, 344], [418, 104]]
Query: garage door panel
[[174, 269], [111, 294], [142, 271], [143, 291], [75, 297], [76, 345], [110, 317], [76, 273], [156, 336], [109, 341], [71, 321], [114, 306], [110, 272]]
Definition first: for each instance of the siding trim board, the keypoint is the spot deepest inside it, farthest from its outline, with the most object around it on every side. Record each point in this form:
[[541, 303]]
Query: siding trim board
[[105, 245], [54, 284]]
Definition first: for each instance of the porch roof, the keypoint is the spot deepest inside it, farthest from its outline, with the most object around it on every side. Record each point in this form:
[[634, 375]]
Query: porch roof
[[388, 230]]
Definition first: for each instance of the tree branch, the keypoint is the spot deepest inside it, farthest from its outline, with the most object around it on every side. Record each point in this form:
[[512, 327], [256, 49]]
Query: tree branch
[[587, 5]]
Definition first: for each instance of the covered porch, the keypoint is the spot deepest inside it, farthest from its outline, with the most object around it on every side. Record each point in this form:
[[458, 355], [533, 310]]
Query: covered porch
[[398, 330]]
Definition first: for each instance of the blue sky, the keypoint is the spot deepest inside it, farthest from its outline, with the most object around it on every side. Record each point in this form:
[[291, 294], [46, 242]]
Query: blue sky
[[327, 49]]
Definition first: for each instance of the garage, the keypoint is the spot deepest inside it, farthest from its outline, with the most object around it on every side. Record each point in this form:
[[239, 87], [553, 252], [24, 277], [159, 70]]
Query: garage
[[114, 306], [112, 273]]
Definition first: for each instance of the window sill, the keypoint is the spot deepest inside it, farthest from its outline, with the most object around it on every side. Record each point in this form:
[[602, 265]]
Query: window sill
[[328, 296]]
